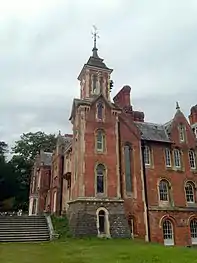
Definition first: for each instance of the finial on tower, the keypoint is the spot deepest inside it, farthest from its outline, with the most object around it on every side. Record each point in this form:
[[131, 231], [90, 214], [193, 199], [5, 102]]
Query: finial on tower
[[177, 106], [95, 36]]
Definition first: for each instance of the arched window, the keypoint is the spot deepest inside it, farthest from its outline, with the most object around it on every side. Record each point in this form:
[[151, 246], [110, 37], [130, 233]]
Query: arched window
[[192, 159], [100, 179], [147, 158], [100, 110], [168, 234], [189, 192], [100, 141], [127, 162], [177, 158], [94, 83], [164, 190], [193, 231]]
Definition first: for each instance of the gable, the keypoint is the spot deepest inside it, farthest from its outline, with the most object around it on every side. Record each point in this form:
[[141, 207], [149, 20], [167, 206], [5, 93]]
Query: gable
[[173, 129]]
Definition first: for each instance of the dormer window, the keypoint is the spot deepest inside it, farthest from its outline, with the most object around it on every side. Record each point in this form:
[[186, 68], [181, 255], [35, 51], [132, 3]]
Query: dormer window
[[182, 133]]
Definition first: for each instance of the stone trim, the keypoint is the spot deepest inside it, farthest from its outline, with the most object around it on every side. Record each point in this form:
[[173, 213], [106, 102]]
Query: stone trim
[[175, 208], [93, 199]]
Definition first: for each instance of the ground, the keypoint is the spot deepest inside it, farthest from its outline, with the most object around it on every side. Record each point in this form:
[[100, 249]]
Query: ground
[[94, 251]]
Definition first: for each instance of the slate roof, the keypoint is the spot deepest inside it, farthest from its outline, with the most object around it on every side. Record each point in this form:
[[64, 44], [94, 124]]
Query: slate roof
[[153, 132], [96, 62], [46, 158], [168, 126]]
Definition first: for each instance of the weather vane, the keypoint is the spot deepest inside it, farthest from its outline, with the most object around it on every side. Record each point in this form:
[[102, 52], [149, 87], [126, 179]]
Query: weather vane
[[95, 35]]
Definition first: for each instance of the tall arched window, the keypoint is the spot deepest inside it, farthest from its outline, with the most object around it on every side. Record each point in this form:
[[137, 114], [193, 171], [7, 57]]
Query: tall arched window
[[189, 192], [164, 191], [192, 159], [100, 141], [168, 234], [193, 231], [100, 179], [127, 162], [100, 110]]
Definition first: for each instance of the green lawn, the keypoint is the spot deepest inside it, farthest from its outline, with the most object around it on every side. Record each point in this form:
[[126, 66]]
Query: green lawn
[[94, 251]]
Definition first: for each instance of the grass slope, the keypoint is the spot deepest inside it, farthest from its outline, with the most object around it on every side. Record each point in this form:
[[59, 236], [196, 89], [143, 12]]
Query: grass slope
[[94, 251]]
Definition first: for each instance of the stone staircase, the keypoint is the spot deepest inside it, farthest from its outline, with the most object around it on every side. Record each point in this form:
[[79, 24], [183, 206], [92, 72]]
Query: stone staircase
[[23, 229]]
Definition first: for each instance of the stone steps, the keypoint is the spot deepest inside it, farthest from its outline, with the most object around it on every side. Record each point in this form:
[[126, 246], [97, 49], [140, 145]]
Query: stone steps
[[23, 229]]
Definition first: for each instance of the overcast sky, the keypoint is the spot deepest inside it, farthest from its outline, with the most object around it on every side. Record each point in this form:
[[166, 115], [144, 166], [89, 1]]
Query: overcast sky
[[150, 44]]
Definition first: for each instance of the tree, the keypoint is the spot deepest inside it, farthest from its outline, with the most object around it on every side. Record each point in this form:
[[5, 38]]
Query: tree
[[31, 143], [8, 179], [25, 151]]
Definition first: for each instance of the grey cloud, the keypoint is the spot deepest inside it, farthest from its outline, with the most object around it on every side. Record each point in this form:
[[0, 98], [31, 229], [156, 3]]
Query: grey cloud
[[150, 44]]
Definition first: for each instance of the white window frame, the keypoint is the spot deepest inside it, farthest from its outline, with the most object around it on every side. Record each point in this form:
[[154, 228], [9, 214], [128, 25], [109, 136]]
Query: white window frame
[[147, 155], [192, 159], [189, 192], [168, 233], [177, 158], [168, 157], [193, 231]]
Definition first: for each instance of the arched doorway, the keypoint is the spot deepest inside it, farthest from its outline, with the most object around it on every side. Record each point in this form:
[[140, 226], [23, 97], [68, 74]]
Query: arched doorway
[[193, 231], [168, 234], [103, 222]]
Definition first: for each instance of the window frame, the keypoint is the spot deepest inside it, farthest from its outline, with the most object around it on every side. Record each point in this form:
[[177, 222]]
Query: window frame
[[128, 176], [168, 157], [188, 193], [193, 231], [175, 158], [147, 152], [101, 141], [103, 175], [182, 133], [164, 192], [168, 232], [190, 159]]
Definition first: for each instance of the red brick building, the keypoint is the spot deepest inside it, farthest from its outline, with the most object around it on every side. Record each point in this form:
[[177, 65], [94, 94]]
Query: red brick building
[[118, 175]]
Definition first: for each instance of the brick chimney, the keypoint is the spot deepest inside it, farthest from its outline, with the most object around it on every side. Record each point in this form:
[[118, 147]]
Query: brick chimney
[[193, 115], [122, 99], [193, 119]]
